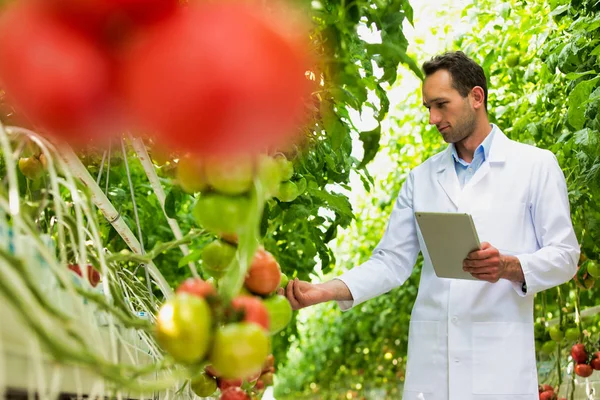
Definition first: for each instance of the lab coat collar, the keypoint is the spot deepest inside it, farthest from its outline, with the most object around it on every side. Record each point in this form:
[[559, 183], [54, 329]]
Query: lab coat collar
[[447, 174]]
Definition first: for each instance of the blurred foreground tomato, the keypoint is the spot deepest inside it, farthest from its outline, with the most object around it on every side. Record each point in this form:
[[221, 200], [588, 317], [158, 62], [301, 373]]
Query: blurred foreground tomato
[[218, 78], [55, 76]]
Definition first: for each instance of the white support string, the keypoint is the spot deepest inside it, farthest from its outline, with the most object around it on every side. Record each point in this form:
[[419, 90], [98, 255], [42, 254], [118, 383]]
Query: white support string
[[144, 157]]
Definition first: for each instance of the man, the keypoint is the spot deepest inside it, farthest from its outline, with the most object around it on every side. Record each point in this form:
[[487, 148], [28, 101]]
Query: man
[[469, 339]]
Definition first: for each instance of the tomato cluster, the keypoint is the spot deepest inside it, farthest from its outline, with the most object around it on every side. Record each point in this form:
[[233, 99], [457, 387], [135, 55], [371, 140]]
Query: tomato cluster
[[207, 78], [546, 392], [587, 274], [585, 362], [199, 327]]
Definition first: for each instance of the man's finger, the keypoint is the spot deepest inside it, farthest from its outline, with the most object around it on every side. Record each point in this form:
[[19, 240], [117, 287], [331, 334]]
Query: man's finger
[[280, 291], [482, 254], [481, 270], [290, 295], [297, 293], [489, 262]]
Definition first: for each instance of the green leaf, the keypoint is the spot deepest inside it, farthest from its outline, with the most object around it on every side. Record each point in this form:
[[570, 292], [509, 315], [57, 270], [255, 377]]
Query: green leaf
[[172, 202], [577, 100], [334, 127], [335, 201], [576, 75], [370, 141], [193, 256]]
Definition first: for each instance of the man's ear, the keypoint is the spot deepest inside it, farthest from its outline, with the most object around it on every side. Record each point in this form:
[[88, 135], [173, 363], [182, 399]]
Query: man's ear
[[478, 97]]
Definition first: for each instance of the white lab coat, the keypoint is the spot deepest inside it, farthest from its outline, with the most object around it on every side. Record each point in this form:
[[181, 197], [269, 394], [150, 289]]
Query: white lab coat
[[471, 340]]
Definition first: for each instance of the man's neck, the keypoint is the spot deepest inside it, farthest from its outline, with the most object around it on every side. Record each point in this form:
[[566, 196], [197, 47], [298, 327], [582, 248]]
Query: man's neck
[[466, 147]]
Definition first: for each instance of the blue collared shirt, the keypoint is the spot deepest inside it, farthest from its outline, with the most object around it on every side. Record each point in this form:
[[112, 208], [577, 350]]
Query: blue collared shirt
[[465, 170]]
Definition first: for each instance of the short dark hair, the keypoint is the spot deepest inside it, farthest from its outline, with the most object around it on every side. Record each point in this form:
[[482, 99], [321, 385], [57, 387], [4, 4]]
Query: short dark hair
[[466, 73]]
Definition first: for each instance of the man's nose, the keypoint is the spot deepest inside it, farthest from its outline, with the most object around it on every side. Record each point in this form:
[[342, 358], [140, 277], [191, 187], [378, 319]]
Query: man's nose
[[434, 117]]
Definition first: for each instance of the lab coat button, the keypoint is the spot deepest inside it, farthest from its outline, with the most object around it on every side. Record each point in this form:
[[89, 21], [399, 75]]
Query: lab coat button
[[454, 320], [456, 361]]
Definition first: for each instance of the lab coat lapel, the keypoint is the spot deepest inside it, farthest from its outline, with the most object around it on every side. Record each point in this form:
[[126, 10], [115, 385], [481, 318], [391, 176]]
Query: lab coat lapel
[[447, 177], [497, 155]]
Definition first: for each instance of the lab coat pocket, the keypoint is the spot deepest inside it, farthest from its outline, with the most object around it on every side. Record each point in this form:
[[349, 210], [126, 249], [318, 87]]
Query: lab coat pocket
[[503, 358], [423, 360], [505, 227]]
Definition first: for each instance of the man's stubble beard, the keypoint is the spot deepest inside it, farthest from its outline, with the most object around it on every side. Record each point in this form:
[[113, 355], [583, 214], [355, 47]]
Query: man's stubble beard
[[463, 127]]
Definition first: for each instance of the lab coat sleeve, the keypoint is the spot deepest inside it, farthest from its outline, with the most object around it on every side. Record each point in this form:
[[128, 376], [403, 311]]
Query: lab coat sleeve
[[393, 259], [556, 260]]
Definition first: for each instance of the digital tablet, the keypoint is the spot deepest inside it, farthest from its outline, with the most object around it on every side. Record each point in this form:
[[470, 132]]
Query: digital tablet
[[449, 238]]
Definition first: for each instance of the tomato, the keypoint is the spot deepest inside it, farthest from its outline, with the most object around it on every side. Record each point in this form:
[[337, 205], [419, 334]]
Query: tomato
[[288, 191], [218, 78], [578, 353], [225, 384], [556, 333], [234, 393], [269, 362], [196, 287], [217, 257], [184, 327], [31, 167], [269, 173], [583, 279], [190, 175], [220, 213], [110, 19], [285, 166], [548, 395], [284, 281], [264, 274], [92, 273], [549, 347], [254, 310], [545, 388], [593, 269], [267, 378], [204, 385], [58, 78], [239, 350], [595, 363], [230, 176], [231, 238], [280, 312], [512, 60], [572, 334], [583, 370]]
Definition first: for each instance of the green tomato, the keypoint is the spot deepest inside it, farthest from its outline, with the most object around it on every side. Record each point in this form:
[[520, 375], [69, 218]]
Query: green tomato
[[593, 269], [217, 257], [572, 334], [31, 167], [288, 191], [301, 184], [549, 347], [280, 312], [556, 333], [190, 175], [283, 281], [269, 173], [286, 167], [220, 213], [239, 350], [230, 176], [184, 328], [512, 60], [204, 385]]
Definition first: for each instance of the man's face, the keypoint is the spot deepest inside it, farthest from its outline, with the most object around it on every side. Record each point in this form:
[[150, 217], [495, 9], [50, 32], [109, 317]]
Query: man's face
[[451, 113]]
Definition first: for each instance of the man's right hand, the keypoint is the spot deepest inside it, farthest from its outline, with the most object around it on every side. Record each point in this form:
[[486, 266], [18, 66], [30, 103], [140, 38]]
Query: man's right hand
[[302, 294]]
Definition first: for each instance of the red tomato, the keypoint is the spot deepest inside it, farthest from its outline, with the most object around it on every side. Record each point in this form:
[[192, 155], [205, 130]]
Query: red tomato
[[234, 393], [595, 363], [548, 395], [110, 19], [578, 353], [197, 287], [254, 310], [225, 384], [583, 370], [264, 273], [218, 78], [56, 77], [92, 273]]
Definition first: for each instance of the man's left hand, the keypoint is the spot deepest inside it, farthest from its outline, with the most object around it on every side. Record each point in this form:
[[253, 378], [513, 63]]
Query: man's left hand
[[486, 263]]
